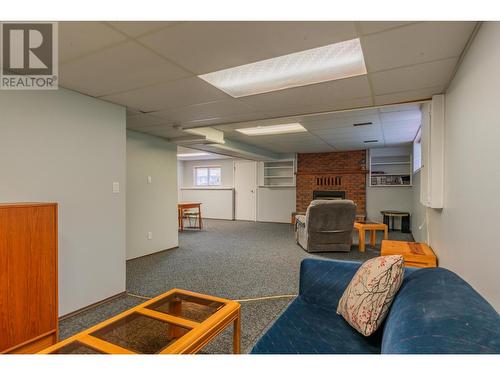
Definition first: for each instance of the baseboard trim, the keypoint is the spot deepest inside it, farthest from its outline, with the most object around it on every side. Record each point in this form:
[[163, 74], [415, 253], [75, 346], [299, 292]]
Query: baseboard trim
[[156, 252], [98, 303]]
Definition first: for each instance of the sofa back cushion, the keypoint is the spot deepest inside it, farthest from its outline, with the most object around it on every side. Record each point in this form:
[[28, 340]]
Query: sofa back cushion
[[436, 311]]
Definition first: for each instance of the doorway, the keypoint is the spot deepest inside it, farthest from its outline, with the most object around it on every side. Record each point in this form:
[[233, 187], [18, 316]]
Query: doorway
[[245, 186]]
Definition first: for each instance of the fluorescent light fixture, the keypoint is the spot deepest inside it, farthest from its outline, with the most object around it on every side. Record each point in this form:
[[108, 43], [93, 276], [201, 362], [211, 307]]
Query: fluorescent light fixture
[[193, 154], [334, 61], [273, 129]]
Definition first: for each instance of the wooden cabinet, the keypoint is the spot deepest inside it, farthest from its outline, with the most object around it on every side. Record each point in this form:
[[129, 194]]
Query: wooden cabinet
[[28, 277]]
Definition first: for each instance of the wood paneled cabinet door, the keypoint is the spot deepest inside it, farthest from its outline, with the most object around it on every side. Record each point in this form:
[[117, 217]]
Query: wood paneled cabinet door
[[28, 277]]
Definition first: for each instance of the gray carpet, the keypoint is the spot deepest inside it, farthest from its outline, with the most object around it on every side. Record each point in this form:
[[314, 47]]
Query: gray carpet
[[231, 259]]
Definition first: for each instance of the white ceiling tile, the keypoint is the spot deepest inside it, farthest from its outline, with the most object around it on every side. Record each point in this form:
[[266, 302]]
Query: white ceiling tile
[[346, 115], [165, 131], [316, 126], [351, 146], [120, 68], [79, 38], [416, 43], [142, 120], [179, 93], [212, 112], [298, 99], [371, 27], [408, 95], [138, 28], [401, 116], [132, 111], [400, 108], [204, 47], [414, 77]]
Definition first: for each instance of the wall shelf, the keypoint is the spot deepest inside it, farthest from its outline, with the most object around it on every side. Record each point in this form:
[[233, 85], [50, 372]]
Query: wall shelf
[[279, 173], [388, 168]]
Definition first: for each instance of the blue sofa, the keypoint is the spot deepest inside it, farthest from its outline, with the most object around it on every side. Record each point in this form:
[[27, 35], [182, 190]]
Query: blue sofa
[[435, 311]]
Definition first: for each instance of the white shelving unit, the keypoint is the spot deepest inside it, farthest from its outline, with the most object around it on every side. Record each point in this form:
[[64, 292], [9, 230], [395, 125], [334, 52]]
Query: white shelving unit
[[390, 168], [279, 173]]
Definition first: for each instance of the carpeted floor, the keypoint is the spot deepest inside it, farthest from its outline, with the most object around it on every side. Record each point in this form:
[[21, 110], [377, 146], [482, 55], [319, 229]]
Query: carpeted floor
[[231, 259]]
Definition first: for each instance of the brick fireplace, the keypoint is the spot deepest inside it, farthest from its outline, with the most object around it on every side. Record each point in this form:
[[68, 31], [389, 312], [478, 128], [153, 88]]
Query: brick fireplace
[[343, 172]]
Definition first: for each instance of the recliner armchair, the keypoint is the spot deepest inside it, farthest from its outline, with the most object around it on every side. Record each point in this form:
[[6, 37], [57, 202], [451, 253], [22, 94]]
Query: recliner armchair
[[326, 226]]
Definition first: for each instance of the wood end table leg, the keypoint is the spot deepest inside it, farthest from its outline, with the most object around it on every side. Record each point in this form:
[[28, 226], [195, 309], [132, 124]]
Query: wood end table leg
[[237, 334], [373, 238], [361, 240]]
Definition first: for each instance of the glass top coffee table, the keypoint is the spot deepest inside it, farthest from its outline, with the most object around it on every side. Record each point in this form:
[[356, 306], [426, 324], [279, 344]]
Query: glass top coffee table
[[176, 322]]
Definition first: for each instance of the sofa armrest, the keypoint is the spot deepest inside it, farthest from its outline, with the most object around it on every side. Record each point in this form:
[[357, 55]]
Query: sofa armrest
[[323, 282]]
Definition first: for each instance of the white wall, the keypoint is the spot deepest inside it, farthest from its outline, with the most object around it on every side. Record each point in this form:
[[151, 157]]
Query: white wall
[[464, 234], [217, 201], [180, 178], [276, 204], [64, 147], [151, 207], [273, 204], [419, 220]]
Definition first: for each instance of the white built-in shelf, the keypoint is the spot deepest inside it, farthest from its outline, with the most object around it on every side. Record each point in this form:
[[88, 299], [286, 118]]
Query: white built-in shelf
[[278, 173], [276, 186], [393, 163], [389, 168]]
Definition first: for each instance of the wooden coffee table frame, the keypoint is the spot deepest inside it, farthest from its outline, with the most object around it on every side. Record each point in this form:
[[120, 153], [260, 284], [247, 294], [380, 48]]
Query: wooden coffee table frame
[[200, 334], [373, 228]]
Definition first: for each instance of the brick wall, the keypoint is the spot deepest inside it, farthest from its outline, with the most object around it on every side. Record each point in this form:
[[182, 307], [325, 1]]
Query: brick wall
[[342, 171]]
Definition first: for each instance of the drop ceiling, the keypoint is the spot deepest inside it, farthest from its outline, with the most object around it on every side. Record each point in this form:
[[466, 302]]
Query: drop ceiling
[[152, 68], [389, 126]]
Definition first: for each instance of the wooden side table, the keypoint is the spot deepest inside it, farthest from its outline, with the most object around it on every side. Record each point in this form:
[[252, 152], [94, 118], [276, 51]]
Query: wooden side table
[[415, 254], [373, 227]]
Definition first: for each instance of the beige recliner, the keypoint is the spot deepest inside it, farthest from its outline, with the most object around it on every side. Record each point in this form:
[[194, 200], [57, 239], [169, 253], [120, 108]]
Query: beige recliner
[[326, 226]]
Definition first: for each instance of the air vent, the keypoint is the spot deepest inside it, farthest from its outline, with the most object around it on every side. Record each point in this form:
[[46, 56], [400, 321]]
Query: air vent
[[371, 141], [362, 123]]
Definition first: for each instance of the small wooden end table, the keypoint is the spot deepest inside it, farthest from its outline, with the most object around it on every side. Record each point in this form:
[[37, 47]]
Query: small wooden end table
[[415, 254], [176, 322], [373, 227]]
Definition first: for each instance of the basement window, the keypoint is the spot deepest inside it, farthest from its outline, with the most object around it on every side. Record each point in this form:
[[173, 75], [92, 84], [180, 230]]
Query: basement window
[[207, 176]]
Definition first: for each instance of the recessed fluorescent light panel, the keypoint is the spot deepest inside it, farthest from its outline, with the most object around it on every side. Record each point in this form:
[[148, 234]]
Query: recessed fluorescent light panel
[[273, 129], [328, 63], [193, 154]]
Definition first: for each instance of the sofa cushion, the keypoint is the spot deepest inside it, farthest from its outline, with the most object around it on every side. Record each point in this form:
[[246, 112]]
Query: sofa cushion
[[436, 311], [367, 298], [306, 328]]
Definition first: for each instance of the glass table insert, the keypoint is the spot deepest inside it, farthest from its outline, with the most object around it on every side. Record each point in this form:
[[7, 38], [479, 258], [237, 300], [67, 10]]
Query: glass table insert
[[77, 347], [187, 307], [175, 322], [141, 333]]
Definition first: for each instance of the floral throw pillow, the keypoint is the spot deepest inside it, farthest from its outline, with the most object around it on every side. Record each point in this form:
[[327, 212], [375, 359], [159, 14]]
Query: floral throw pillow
[[367, 298]]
